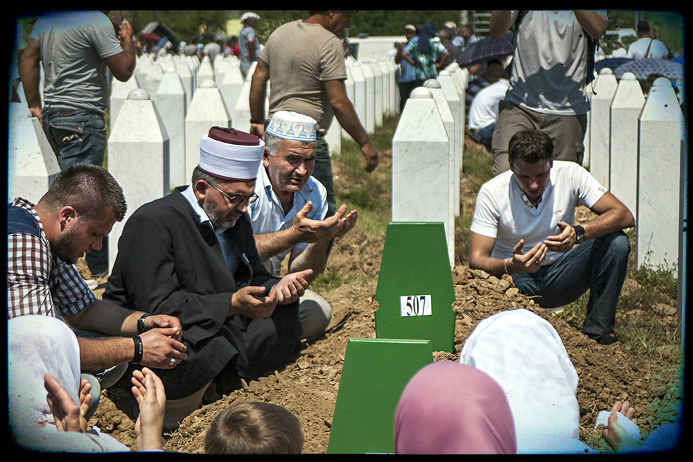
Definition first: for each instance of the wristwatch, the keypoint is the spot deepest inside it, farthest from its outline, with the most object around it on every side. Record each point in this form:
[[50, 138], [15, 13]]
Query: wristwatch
[[140, 323], [580, 232]]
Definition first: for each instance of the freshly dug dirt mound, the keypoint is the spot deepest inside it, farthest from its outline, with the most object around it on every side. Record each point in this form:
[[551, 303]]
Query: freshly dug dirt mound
[[309, 386]]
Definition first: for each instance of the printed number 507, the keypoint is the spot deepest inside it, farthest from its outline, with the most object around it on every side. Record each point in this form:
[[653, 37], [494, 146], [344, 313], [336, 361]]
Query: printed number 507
[[416, 305]]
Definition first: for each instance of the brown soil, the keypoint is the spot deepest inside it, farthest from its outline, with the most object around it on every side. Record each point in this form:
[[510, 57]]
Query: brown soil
[[309, 386]]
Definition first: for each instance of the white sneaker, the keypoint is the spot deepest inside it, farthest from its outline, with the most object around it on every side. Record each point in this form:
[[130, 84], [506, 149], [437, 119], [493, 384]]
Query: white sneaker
[[91, 283], [558, 309]]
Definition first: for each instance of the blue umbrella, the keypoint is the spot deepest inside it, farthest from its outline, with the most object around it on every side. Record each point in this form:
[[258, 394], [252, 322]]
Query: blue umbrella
[[486, 49], [642, 68], [611, 63]]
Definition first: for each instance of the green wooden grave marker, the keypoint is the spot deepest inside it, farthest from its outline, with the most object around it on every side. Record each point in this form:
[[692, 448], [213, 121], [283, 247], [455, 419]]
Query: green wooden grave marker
[[415, 290], [374, 375]]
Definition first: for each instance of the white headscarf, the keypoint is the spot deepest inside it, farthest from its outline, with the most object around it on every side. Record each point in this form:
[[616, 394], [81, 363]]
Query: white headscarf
[[525, 355], [38, 345]]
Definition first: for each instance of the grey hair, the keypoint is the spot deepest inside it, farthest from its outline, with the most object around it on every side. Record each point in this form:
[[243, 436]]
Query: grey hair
[[272, 144]]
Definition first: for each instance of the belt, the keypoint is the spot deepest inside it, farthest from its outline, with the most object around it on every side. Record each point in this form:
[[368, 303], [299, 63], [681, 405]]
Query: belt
[[72, 108]]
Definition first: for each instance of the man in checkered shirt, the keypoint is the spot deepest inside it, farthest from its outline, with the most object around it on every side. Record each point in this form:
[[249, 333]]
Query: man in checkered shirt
[[45, 240]]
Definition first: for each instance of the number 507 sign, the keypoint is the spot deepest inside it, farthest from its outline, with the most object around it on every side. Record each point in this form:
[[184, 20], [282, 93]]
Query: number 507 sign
[[415, 305]]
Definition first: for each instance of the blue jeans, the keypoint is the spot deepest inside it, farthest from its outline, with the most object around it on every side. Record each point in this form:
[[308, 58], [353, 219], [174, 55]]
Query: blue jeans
[[485, 135], [598, 265], [78, 136]]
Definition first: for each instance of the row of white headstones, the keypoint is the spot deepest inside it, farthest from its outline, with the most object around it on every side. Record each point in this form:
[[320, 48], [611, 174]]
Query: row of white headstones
[[635, 145]]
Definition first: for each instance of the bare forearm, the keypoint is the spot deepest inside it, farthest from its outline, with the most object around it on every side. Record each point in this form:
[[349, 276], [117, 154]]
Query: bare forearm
[[593, 22], [314, 257], [346, 115], [106, 318], [500, 23], [608, 222], [271, 244], [494, 266], [30, 73], [30, 84], [258, 92], [408, 59], [101, 353], [251, 49]]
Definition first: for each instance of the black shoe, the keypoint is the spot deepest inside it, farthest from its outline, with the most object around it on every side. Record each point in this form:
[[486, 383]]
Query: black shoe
[[608, 339]]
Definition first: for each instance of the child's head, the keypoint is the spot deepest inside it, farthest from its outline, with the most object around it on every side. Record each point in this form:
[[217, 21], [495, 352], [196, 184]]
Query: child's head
[[254, 428]]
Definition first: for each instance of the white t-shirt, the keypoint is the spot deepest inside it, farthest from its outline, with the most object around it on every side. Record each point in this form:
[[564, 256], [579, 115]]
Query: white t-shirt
[[637, 50], [503, 211], [484, 109], [549, 65], [267, 215]]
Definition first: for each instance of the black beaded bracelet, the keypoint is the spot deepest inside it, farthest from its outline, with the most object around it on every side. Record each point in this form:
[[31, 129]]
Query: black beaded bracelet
[[139, 349]]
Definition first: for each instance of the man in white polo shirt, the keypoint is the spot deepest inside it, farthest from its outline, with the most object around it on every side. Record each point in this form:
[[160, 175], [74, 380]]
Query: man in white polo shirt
[[523, 225], [289, 216]]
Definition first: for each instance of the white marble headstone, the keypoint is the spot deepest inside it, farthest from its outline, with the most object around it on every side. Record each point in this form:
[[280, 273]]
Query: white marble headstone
[[231, 89], [369, 121], [186, 78], [206, 111], [205, 71], [456, 103], [153, 79], [600, 127], [452, 130], [170, 101], [119, 93], [359, 100], [387, 86], [659, 173], [138, 158], [422, 168], [625, 112], [31, 162], [378, 91]]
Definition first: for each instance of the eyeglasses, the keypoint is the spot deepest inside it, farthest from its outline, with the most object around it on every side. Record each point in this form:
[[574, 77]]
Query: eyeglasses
[[235, 200]]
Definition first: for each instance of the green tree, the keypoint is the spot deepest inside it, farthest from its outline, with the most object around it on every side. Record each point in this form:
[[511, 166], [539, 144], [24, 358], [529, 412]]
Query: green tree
[[668, 25], [392, 22], [186, 24], [371, 22]]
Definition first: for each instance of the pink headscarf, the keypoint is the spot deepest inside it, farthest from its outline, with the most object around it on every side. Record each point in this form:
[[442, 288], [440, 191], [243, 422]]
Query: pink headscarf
[[452, 408]]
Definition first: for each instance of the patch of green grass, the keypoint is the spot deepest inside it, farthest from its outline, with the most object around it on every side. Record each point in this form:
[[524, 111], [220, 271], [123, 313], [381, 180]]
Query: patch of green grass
[[638, 321], [662, 278], [478, 161], [369, 193], [329, 280]]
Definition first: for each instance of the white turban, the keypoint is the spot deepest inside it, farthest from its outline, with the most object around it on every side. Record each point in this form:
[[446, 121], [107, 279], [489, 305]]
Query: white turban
[[231, 154]]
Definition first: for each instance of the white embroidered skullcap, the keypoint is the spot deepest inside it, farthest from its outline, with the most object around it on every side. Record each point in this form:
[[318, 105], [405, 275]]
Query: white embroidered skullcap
[[249, 15], [292, 126], [231, 154]]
